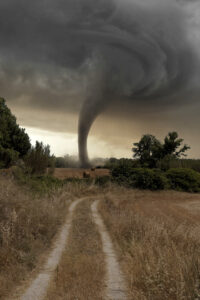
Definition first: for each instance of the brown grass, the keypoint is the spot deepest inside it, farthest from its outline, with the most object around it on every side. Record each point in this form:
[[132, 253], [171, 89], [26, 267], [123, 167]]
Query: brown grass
[[81, 272], [28, 224], [154, 236], [63, 173]]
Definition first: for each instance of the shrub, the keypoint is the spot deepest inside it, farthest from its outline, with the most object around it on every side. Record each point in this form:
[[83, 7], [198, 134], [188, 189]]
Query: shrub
[[148, 179], [139, 177], [122, 171], [184, 179], [39, 159], [43, 184], [102, 181], [8, 157]]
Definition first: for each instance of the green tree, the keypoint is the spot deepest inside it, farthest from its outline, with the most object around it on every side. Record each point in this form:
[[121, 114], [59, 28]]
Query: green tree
[[173, 146], [150, 151], [14, 141], [39, 158]]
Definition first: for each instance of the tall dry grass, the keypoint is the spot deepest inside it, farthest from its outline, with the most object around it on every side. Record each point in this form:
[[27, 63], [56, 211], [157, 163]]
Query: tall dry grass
[[153, 237], [28, 223], [80, 274]]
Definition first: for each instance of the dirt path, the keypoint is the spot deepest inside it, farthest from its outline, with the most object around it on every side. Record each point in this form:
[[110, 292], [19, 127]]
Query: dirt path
[[81, 271], [38, 287], [116, 288]]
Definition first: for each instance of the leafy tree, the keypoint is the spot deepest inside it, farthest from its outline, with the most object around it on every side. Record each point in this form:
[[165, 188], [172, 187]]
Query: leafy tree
[[39, 158], [14, 141], [150, 150], [172, 146]]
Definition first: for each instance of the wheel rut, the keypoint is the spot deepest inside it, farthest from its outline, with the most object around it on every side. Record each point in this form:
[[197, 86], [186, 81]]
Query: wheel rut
[[115, 283], [114, 287], [38, 288]]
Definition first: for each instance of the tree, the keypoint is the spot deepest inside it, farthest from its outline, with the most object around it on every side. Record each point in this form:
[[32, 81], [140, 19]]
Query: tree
[[150, 150], [147, 150], [39, 158], [172, 144], [14, 141]]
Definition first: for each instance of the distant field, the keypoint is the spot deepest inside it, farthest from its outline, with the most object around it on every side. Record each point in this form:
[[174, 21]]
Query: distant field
[[63, 173]]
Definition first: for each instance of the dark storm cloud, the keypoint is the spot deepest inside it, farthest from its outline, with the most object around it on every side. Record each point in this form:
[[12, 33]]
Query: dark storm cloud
[[106, 52]]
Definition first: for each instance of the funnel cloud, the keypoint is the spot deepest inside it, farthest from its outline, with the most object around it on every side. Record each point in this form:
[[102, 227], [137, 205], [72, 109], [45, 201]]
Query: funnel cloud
[[90, 55]]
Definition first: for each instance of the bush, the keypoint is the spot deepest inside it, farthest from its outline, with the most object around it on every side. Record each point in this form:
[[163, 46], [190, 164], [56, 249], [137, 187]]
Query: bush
[[38, 184], [122, 171], [8, 157], [102, 181], [39, 159], [180, 179], [141, 178], [148, 179], [184, 180]]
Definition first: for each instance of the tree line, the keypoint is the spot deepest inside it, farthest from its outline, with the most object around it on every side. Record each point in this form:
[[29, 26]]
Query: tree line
[[15, 146], [152, 153]]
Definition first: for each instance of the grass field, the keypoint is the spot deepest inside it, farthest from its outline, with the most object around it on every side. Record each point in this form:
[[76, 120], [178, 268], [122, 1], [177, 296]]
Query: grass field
[[28, 223], [157, 235]]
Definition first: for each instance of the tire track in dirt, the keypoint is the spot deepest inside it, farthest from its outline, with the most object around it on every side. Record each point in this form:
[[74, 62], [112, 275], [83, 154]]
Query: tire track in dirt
[[81, 271], [38, 288], [116, 287]]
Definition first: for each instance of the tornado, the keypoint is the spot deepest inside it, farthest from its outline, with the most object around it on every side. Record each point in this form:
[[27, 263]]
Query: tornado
[[86, 118], [93, 54], [91, 108]]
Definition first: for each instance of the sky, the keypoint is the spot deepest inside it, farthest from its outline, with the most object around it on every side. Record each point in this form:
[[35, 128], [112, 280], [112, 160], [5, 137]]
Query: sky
[[112, 70]]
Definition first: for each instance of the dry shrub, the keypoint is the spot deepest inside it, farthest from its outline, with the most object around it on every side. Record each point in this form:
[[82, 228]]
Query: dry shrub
[[28, 224], [80, 274], [160, 256]]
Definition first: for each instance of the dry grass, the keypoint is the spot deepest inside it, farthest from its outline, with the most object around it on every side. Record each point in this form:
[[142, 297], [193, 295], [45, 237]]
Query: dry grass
[[28, 224], [154, 236], [81, 272], [63, 173]]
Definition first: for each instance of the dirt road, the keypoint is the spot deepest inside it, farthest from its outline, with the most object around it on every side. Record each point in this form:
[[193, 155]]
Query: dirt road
[[114, 248], [113, 286], [116, 288], [38, 287]]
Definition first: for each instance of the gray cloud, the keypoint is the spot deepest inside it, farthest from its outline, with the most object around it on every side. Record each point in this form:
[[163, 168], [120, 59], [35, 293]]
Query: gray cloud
[[64, 55]]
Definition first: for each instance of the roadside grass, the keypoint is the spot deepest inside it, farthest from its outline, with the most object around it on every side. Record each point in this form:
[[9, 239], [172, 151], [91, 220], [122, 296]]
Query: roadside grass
[[80, 274], [154, 239], [41, 185], [28, 224]]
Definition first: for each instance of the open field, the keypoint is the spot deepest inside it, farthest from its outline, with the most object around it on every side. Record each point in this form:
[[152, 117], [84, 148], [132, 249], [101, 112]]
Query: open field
[[63, 173], [155, 237], [28, 224]]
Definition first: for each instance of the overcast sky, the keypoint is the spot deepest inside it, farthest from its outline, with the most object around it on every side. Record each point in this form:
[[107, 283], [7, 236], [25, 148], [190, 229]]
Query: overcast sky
[[129, 66]]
